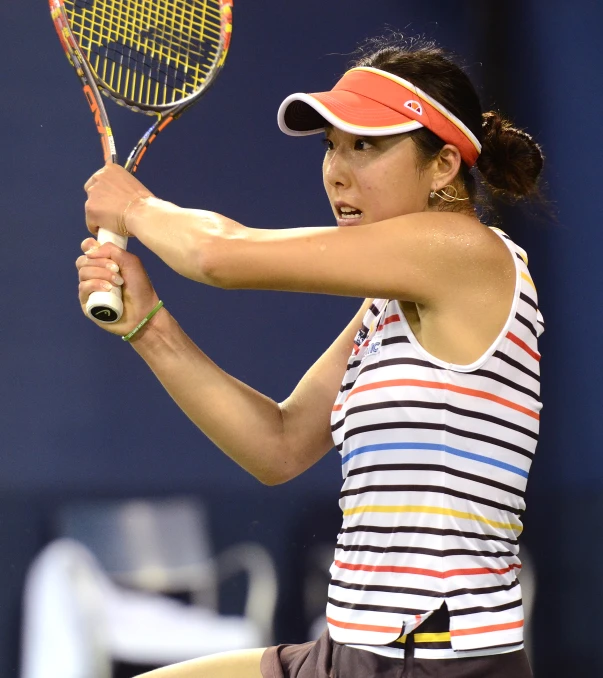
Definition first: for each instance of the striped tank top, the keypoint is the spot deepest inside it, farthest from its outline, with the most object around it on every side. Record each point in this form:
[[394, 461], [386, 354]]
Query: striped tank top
[[435, 463]]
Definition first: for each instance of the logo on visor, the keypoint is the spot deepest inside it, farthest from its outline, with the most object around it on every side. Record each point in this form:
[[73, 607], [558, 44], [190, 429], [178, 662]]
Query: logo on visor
[[414, 106]]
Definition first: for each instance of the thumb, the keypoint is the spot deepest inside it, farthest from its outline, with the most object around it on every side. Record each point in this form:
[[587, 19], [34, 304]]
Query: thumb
[[89, 244]]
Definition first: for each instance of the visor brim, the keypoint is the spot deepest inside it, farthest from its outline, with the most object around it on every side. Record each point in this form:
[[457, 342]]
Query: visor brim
[[302, 114]]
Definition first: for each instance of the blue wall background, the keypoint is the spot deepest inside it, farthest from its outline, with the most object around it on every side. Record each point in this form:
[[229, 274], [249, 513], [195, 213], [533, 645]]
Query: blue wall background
[[81, 414]]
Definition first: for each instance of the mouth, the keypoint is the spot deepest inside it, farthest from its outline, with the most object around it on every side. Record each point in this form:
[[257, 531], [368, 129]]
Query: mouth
[[347, 215]]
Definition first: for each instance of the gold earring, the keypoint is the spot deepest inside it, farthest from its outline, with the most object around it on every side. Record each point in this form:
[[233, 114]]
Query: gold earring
[[445, 194]]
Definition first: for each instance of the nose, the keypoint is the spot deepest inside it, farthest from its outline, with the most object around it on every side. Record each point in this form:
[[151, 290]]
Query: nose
[[336, 169]]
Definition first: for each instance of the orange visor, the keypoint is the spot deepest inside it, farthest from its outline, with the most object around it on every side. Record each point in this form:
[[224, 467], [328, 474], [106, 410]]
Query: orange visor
[[371, 102]]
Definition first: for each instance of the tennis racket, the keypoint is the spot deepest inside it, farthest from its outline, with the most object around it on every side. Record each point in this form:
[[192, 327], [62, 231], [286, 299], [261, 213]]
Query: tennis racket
[[156, 57]]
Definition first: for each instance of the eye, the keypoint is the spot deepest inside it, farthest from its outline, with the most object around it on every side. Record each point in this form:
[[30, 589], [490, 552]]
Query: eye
[[328, 144], [362, 145]]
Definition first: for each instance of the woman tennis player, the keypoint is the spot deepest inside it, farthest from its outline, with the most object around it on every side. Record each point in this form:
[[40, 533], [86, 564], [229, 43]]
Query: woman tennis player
[[430, 394]]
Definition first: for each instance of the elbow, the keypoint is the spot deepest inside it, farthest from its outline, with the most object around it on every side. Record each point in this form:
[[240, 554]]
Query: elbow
[[216, 254], [282, 468], [269, 480], [275, 475], [207, 263], [272, 479]]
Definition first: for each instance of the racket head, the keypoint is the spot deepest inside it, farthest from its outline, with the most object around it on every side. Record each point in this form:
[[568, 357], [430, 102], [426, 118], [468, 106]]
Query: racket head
[[150, 55]]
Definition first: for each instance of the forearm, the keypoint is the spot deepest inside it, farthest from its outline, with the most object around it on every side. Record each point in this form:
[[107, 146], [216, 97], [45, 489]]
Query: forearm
[[184, 239], [242, 422]]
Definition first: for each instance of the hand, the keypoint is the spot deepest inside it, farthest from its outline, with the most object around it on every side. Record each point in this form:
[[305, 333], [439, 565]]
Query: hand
[[97, 268], [110, 191]]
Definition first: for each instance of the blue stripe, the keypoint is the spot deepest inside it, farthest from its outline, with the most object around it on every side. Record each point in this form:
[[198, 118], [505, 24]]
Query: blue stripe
[[440, 448]]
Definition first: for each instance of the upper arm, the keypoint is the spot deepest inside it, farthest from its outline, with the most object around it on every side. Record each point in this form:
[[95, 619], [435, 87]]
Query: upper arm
[[307, 411], [417, 257]]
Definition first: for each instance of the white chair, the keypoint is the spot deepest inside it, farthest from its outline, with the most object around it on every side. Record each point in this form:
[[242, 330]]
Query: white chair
[[98, 594]]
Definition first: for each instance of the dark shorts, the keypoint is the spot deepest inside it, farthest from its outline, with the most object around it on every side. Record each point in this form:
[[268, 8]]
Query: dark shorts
[[324, 658]]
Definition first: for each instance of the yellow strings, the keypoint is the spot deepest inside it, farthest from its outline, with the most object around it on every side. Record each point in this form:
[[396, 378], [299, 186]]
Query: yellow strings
[[149, 51]]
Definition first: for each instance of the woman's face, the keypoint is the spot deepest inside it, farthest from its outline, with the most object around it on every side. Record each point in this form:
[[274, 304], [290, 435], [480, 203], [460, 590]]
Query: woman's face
[[371, 179]]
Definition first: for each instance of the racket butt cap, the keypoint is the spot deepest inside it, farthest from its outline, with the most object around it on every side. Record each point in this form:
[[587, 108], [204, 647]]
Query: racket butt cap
[[106, 307]]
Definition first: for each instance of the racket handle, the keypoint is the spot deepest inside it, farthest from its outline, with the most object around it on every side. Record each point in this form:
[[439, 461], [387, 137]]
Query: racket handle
[[107, 307]]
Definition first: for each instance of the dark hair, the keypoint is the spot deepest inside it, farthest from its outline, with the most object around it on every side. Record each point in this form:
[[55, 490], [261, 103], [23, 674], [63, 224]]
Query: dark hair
[[510, 161]]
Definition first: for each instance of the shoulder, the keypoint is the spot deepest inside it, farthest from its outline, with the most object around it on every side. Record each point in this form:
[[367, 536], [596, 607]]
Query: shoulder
[[458, 233], [460, 253]]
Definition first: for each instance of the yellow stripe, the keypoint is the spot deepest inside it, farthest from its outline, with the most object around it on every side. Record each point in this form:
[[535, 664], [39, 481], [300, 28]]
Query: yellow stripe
[[428, 637], [521, 252], [430, 509], [529, 280]]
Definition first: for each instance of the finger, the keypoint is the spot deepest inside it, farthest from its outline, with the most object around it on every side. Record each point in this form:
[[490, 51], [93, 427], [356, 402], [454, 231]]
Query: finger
[[93, 273], [88, 244], [107, 250], [87, 287], [83, 261]]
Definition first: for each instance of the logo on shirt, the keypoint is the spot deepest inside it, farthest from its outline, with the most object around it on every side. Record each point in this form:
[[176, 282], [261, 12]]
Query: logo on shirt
[[360, 337], [372, 349]]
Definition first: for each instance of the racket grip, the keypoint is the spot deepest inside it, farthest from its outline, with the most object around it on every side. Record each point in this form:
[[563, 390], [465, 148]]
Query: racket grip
[[107, 307]]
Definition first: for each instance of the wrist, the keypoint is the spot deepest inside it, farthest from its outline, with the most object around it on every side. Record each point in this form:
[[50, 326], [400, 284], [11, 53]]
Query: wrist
[[136, 212], [157, 334]]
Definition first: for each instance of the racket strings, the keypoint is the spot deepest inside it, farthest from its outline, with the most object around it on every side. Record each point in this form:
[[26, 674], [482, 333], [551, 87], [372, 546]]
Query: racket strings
[[150, 52]]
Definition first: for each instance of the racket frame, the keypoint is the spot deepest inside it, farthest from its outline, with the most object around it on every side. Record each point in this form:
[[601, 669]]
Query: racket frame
[[108, 306]]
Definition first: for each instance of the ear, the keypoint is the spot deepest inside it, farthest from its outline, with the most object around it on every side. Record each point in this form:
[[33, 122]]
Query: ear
[[446, 166]]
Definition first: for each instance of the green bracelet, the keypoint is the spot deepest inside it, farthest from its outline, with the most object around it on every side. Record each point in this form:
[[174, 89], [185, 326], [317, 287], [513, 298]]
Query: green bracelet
[[143, 322]]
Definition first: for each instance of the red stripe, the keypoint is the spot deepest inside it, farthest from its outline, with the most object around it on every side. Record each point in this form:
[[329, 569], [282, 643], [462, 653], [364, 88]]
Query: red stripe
[[364, 627], [487, 629], [337, 408], [522, 344], [448, 387], [426, 573], [392, 319]]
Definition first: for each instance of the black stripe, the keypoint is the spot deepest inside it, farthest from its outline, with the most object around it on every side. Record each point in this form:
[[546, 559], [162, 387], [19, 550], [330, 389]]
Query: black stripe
[[400, 339], [374, 310], [435, 489], [386, 363], [435, 406], [495, 608], [507, 382], [397, 361], [527, 323], [426, 530], [438, 553], [424, 363], [436, 467], [353, 365], [386, 342], [516, 365], [418, 425], [424, 592], [374, 608], [528, 300]]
